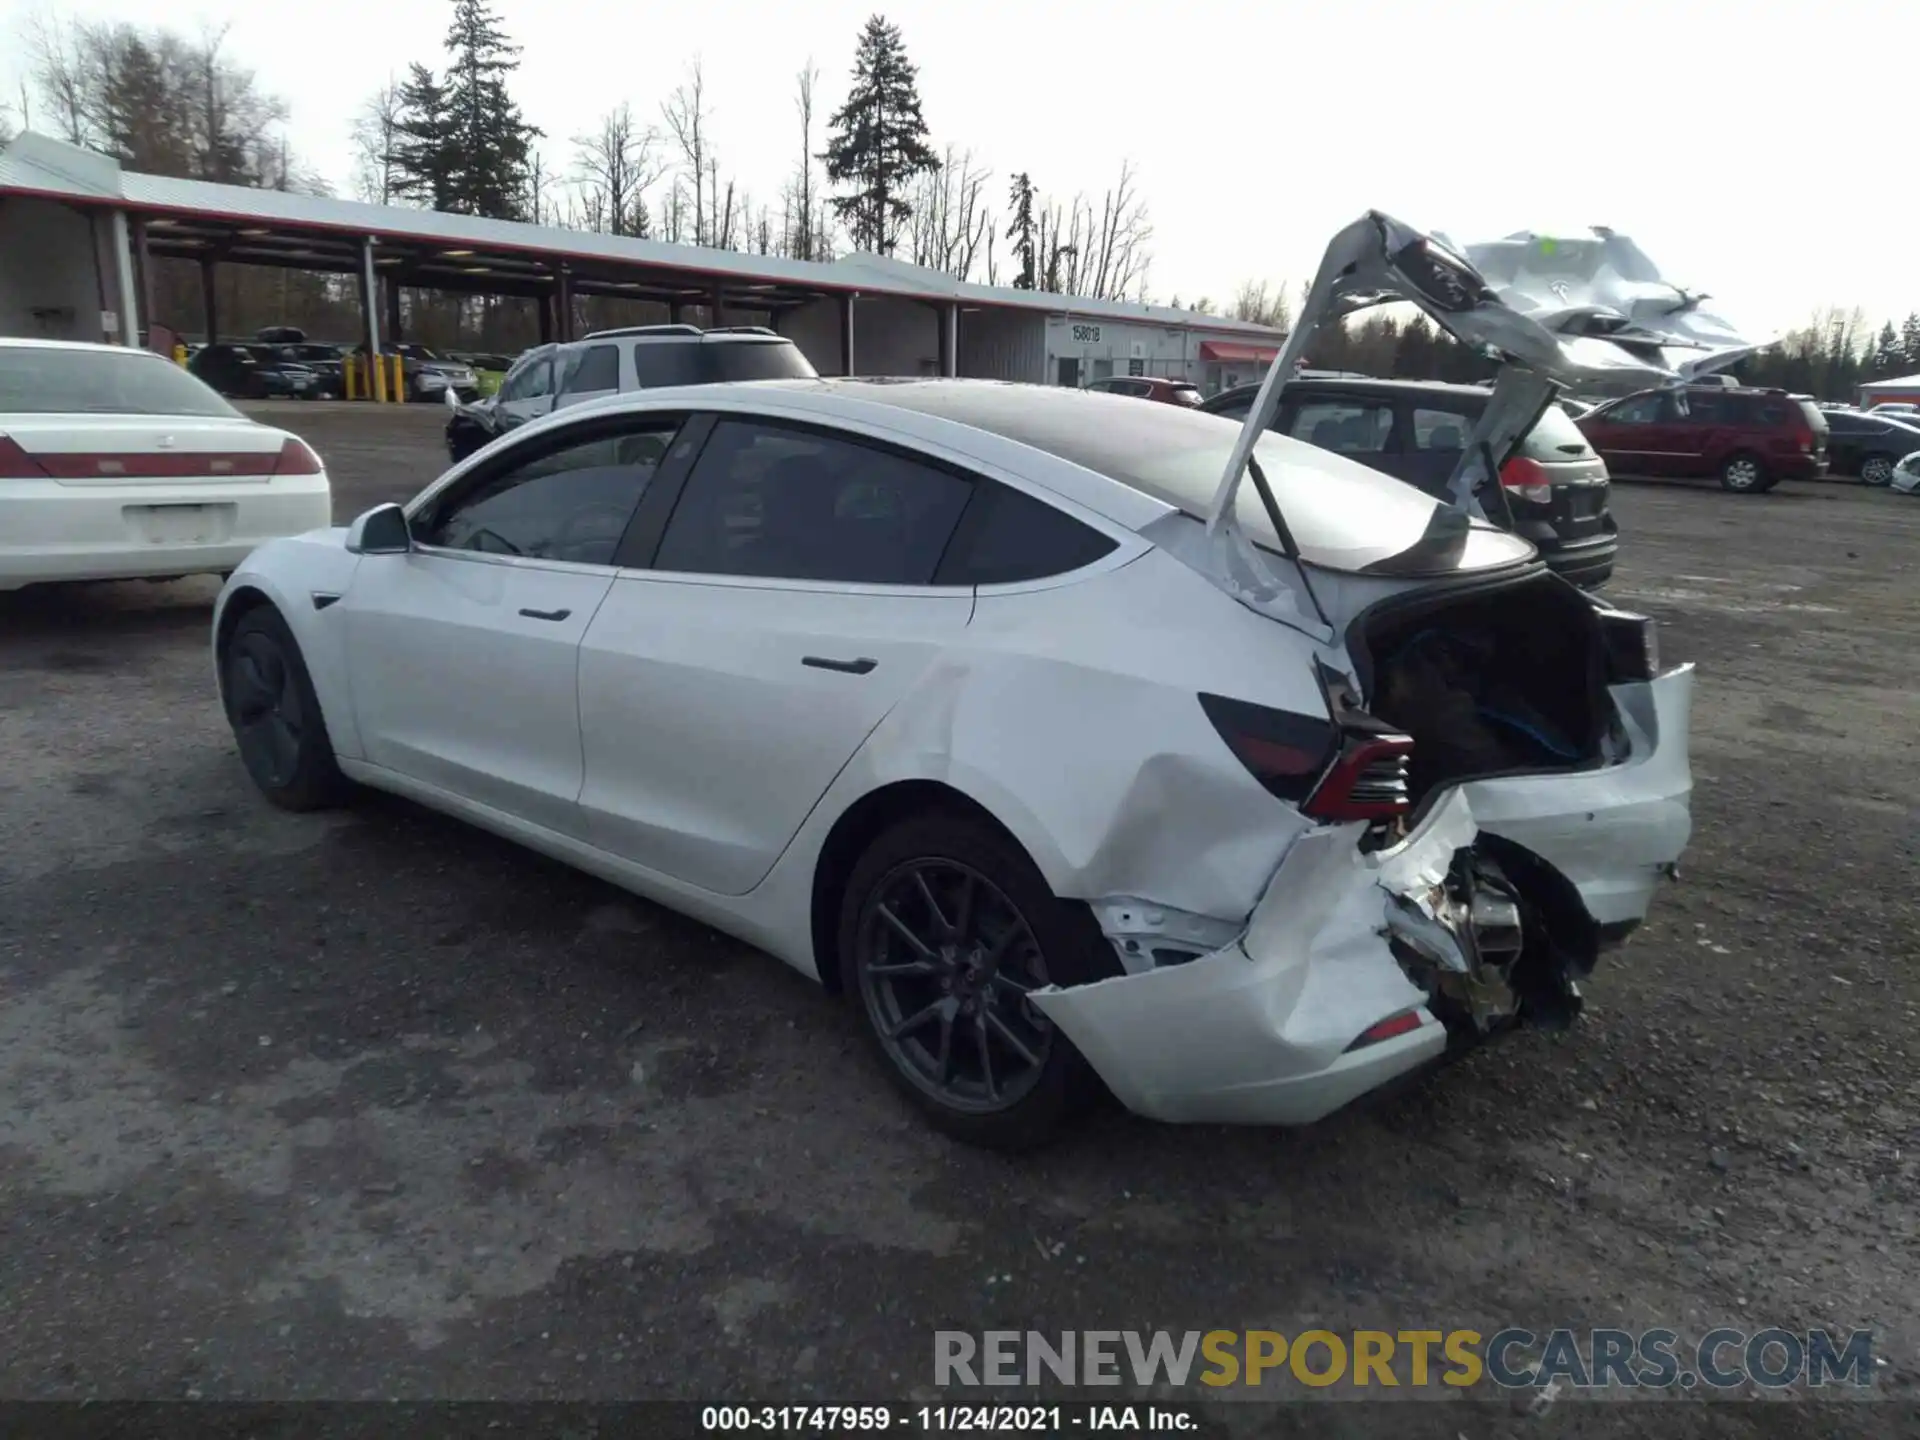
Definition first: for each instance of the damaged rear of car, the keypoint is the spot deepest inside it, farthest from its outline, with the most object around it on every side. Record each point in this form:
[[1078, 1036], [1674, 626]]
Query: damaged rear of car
[[1494, 785]]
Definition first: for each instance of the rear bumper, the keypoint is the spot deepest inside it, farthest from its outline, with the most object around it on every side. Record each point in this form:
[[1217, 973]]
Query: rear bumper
[[1586, 564], [54, 532], [1259, 1031]]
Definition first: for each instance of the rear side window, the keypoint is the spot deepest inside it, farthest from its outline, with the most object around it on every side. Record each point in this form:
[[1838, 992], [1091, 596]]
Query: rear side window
[[710, 362], [786, 503], [1440, 429], [1347, 427], [595, 368], [1008, 537], [1554, 439]]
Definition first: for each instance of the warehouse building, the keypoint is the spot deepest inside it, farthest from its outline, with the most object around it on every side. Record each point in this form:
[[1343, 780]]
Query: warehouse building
[[79, 236]]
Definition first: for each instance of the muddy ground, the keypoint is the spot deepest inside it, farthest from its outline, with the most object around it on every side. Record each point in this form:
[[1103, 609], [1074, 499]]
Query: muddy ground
[[371, 1105]]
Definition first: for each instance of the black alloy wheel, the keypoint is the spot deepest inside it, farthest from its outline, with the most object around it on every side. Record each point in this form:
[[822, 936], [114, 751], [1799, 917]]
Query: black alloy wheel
[[275, 715], [946, 962]]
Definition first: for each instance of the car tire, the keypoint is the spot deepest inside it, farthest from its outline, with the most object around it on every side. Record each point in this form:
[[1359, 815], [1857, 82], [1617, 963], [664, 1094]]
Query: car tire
[[1744, 473], [275, 715], [1876, 470], [972, 959]]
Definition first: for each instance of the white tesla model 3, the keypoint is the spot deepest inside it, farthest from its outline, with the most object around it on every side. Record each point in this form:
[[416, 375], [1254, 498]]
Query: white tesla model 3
[[938, 691]]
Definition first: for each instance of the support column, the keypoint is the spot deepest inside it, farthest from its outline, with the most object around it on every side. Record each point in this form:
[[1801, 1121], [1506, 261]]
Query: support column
[[950, 352], [563, 303], [716, 308], [545, 305], [143, 264], [390, 284], [209, 302], [370, 313], [846, 333], [673, 313], [129, 303]]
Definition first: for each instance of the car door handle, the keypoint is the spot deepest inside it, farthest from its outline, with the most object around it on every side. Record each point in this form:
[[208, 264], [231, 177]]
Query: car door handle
[[846, 667], [546, 614]]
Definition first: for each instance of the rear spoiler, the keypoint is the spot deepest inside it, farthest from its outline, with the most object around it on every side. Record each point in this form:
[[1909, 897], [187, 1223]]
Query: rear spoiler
[[1543, 342]]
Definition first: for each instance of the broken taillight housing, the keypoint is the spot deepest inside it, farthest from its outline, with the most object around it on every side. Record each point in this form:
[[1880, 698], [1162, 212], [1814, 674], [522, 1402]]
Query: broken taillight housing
[[1527, 479], [1404, 1023], [1368, 780], [1632, 643]]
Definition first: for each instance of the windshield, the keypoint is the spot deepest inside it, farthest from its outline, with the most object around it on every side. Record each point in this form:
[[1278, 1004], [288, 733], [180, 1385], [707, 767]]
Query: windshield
[[51, 381]]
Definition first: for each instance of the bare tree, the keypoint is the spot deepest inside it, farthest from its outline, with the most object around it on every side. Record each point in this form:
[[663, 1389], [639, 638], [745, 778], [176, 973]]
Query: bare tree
[[950, 226], [1260, 304], [374, 129], [544, 205], [687, 116], [803, 202], [1117, 240], [615, 166], [58, 66]]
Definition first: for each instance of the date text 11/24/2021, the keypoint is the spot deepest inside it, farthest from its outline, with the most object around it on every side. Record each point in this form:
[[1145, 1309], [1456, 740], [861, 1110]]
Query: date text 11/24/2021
[[947, 1419]]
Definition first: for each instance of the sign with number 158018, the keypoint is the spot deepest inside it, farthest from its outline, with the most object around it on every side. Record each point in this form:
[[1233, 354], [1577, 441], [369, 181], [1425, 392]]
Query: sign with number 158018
[[1086, 334]]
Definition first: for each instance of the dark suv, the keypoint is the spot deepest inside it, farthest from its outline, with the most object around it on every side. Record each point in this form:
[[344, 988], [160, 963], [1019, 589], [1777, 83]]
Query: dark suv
[[1554, 486], [643, 357], [1750, 440]]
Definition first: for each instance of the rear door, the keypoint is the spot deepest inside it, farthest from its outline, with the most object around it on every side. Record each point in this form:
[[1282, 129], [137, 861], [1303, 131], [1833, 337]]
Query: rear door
[[788, 605], [586, 372], [1436, 430]]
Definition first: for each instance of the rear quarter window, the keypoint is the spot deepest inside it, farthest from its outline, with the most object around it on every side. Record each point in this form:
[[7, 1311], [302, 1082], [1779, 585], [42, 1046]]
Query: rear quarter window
[[1007, 537]]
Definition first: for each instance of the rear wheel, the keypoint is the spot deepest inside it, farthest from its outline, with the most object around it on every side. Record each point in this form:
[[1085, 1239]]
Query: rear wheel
[[946, 928], [275, 715], [1744, 474], [1876, 470]]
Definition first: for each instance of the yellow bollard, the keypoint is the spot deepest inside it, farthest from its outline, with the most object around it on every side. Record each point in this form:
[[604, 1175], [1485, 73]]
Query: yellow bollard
[[179, 354], [349, 373], [378, 389], [398, 388]]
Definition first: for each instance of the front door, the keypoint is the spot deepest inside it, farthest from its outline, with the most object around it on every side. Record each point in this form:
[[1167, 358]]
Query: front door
[[527, 391], [463, 655], [789, 607], [1637, 435]]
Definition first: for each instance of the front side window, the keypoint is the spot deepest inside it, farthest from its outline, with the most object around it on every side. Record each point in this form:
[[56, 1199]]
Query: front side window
[[784, 503], [570, 501], [1640, 410], [1345, 427], [530, 381]]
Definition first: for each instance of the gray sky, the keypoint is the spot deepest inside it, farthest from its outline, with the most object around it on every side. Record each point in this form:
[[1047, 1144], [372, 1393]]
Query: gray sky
[[1713, 133]]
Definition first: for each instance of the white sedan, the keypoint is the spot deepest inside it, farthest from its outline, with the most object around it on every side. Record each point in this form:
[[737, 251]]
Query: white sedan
[[941, 692], [116, 464]]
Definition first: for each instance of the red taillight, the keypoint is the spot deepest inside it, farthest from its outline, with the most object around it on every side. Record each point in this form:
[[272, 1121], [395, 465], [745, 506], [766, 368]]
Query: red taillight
[[1280, 749], [1367, 780], [297, 458], [1527, 479], [1404, 1023], [17, 464]]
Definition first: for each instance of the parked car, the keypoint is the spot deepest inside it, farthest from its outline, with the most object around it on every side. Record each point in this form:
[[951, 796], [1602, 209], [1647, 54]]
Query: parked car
[[254, 372], [327, 362], [1906, 475], [488, 371], [1554, 485], [609, 361], [1869, 446], [1150, 387], [1750, 439], [117, 464], [816, 666], [425, 374], [1895, 407]]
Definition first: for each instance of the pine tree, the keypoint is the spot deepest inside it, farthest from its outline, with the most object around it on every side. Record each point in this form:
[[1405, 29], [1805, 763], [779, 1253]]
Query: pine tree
[[488, 143], [1885, 361], [1910, 345], [877, 141], [1020, 229], [422, 153]]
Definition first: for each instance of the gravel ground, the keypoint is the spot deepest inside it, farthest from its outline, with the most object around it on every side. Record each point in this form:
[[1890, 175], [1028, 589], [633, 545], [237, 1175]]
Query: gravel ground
[[371, 1105]]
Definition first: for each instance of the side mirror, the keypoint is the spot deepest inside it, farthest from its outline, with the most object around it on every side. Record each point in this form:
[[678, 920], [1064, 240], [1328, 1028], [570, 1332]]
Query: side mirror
[[452, 400], [380, 531]]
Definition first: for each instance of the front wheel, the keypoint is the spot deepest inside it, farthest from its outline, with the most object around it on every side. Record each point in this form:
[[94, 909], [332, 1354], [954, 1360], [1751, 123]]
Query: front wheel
[[1743, 474], [275, 715], [946, 929], [1878, 470]]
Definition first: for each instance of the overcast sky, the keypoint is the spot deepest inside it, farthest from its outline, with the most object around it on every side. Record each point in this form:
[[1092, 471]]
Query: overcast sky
[[1713, 133]]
